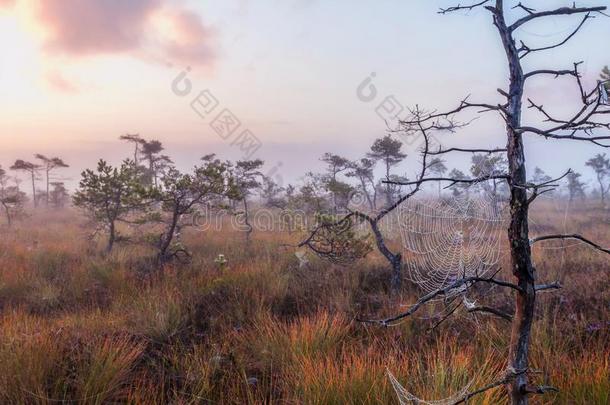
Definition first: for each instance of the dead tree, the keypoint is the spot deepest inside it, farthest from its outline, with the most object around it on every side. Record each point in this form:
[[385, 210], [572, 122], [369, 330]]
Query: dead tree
[[374, 220], [585, 125]]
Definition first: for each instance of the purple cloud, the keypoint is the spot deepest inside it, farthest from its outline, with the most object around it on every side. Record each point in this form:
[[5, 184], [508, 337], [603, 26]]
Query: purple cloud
[[88, 27]]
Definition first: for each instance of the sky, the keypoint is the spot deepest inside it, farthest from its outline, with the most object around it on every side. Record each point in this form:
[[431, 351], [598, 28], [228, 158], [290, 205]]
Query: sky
[[77, 74]]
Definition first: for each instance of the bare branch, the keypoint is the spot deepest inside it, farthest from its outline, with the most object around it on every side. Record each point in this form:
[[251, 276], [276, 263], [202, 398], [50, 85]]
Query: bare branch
[[542, 188], [527, 50], [545, 287], [440, 152], [555, 73], [528, 10], [468, 281], [422, 174], [422, 119], [510, 376], [493, 311], [459, 7], [452, 180], [582, 124], [570, 236], [332, 251], [560, 11], [593, 139], [540, 389], [445, 317], [312, 235]]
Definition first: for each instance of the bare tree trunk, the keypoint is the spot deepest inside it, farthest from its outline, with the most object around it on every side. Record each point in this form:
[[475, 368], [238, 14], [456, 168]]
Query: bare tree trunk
[[153, 173], [111, 237], [601, 189], [247, 220], [8, 214], [495, 198], [334, 194], [394, 259], [366, 194], [166, 239], [47, 192], [374, 196], [518, 232], [396, 280], [388, 187], [34, 190]]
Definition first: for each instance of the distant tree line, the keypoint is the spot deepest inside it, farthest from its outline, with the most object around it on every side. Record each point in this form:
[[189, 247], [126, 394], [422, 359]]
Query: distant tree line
[[344, 182]]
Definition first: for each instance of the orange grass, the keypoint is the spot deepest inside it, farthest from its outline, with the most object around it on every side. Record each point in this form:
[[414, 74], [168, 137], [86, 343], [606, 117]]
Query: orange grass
[[79, 327]]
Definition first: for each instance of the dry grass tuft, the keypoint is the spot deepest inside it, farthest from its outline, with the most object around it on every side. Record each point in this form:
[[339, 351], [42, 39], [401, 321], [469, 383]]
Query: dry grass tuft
[[76, 326]]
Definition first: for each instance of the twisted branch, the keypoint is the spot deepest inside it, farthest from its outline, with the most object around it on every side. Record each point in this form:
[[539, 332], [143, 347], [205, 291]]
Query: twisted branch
[[560, 11], [468, 281], [459, 7], [570, 236]]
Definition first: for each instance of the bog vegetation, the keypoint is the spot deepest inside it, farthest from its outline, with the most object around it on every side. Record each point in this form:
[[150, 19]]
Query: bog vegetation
[[97, 305], [222, 285]]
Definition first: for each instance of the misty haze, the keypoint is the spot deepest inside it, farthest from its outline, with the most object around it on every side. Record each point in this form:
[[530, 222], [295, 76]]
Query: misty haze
[[304, 202]]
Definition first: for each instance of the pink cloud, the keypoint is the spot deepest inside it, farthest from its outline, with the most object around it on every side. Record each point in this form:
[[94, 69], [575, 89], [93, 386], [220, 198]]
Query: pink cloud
[[92, 26], [7, 3], [56, 81], [88, 27], [192, 42]]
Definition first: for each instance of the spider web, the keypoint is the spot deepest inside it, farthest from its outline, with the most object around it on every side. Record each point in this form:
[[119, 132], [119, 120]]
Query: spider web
[[406, 398], [447, 239]]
